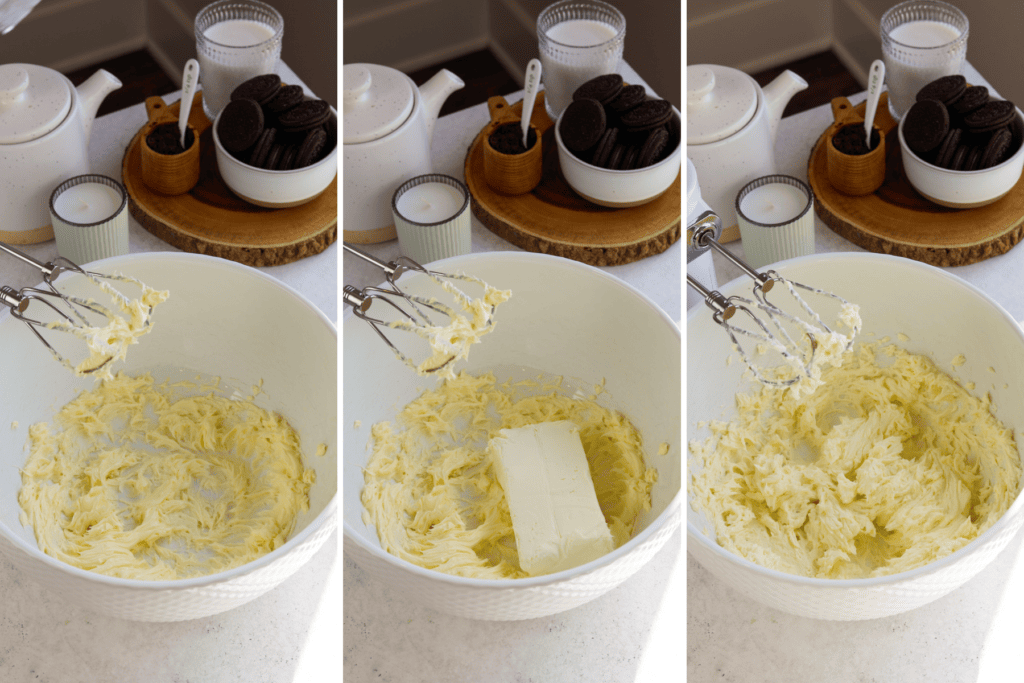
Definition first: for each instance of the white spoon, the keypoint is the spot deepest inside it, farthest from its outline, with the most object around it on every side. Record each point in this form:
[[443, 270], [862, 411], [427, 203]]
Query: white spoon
[[189, 83], [876, 76], [532, 86]]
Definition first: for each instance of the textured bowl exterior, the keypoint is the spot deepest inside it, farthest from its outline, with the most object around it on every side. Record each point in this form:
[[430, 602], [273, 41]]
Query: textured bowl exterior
[[275, 189], [987, 336], [208, 296], [617, 189], [962, 189]]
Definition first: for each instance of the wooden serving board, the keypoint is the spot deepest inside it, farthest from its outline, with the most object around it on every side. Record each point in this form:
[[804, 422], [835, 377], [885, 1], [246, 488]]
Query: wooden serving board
[[210, 219], [553, 219], [896, 220]]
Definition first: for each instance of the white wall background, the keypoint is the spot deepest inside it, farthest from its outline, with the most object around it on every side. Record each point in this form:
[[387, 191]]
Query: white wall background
[[756, 34]]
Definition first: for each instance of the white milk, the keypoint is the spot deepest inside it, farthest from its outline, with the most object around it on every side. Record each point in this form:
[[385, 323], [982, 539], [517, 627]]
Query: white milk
[[773, 203], [236, 58], [916, 61], [576, 59], [87, 203], [430, 202]]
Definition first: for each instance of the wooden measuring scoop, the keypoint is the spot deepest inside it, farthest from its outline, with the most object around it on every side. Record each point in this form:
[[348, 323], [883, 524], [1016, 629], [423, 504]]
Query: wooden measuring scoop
[[172, 174], [514, 174], [858, 174]]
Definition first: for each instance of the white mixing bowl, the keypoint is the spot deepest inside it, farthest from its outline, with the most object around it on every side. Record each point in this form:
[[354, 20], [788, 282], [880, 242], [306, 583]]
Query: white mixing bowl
[[222, 319], [564, 318], [943, 316]]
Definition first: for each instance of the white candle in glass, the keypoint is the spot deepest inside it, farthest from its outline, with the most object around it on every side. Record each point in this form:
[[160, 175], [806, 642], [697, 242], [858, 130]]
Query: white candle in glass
[[87, 203], [773, 204], [430, 203]]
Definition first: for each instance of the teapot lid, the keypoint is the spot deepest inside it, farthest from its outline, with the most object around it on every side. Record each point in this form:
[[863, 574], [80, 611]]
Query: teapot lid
[[719, 102], [377, 100], [33, 101]]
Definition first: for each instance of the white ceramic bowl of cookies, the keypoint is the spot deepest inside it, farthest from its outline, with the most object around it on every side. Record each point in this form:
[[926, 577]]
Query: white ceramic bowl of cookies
[[564, 318], [276, 189], [965, 189], [620, 189]]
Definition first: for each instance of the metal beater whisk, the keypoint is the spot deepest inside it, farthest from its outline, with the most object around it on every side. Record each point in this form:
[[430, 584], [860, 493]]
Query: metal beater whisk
[[70, 311], [797, 353], [418, 319]]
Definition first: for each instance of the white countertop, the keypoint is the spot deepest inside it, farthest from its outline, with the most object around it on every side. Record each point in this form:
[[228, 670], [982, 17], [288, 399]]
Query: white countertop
[[288, 634], [972, 634], [633, 633]]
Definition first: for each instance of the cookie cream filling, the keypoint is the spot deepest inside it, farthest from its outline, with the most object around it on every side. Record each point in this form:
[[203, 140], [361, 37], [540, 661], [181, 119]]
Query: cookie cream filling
[[431, 493], [887, 466], [158, 482]]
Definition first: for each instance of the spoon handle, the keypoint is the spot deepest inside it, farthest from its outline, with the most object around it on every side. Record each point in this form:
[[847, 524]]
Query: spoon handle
[[532, 83], [876, 76], [189, 83]]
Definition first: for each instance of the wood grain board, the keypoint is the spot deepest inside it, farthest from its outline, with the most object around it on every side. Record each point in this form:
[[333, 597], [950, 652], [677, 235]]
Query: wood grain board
[[553, 219], [896, 220], [210, 219]]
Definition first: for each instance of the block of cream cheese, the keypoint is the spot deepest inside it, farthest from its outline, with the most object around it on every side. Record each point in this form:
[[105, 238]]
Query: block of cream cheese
[[555, 514]]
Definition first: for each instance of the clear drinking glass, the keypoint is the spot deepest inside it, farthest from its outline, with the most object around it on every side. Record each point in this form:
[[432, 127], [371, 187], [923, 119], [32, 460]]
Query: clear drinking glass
[[235, 40], [922, 40], [577, 40]]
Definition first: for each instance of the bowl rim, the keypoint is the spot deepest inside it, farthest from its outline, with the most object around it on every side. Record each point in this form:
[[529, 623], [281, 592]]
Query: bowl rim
[[297, 539], [565, 150], [1015, 509], [221, 152], [960, 174], [657, 524]]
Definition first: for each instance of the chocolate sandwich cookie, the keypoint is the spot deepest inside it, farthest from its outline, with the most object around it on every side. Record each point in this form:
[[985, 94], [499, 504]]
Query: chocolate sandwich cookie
[[647, 115], [615, 158], [947, 89], [583, 124], [973, 98], [305, 115], [285, 98], [310, 148], [241, 124], [604, 147], [925, 125], [948, 147], [603, 88], [260, 88], [959, 156], [996, 148], [629, 97], [652, 148], [971, 161], [287, 161], [990, 116], [629, 158], [262, 148], [274, 156]]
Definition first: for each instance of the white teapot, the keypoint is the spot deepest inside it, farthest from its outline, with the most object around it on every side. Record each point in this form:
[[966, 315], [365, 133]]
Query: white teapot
[[387, 128], [731, 125], [45, 123]]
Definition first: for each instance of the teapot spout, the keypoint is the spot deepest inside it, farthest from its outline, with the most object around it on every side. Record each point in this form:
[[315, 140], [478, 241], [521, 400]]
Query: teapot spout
[[434, 92], [91, 92], [777, 95]]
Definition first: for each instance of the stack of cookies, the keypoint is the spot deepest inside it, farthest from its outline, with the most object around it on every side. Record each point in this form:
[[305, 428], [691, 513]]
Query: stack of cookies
[[959, 127], [616, 126], [270, 125]]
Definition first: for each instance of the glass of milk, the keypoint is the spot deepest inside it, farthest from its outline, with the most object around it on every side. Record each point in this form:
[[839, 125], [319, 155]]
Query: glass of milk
[[922, 40], [776, 219], [235, 40], [578, 40]]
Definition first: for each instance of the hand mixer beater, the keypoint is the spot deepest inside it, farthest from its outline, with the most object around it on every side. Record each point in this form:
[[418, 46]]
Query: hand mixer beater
[[803, 347], [422, 315], [106, 333]]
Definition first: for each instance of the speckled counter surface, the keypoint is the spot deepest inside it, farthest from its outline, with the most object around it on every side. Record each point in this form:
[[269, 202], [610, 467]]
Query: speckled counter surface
[[972, 634], [288, 634]]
